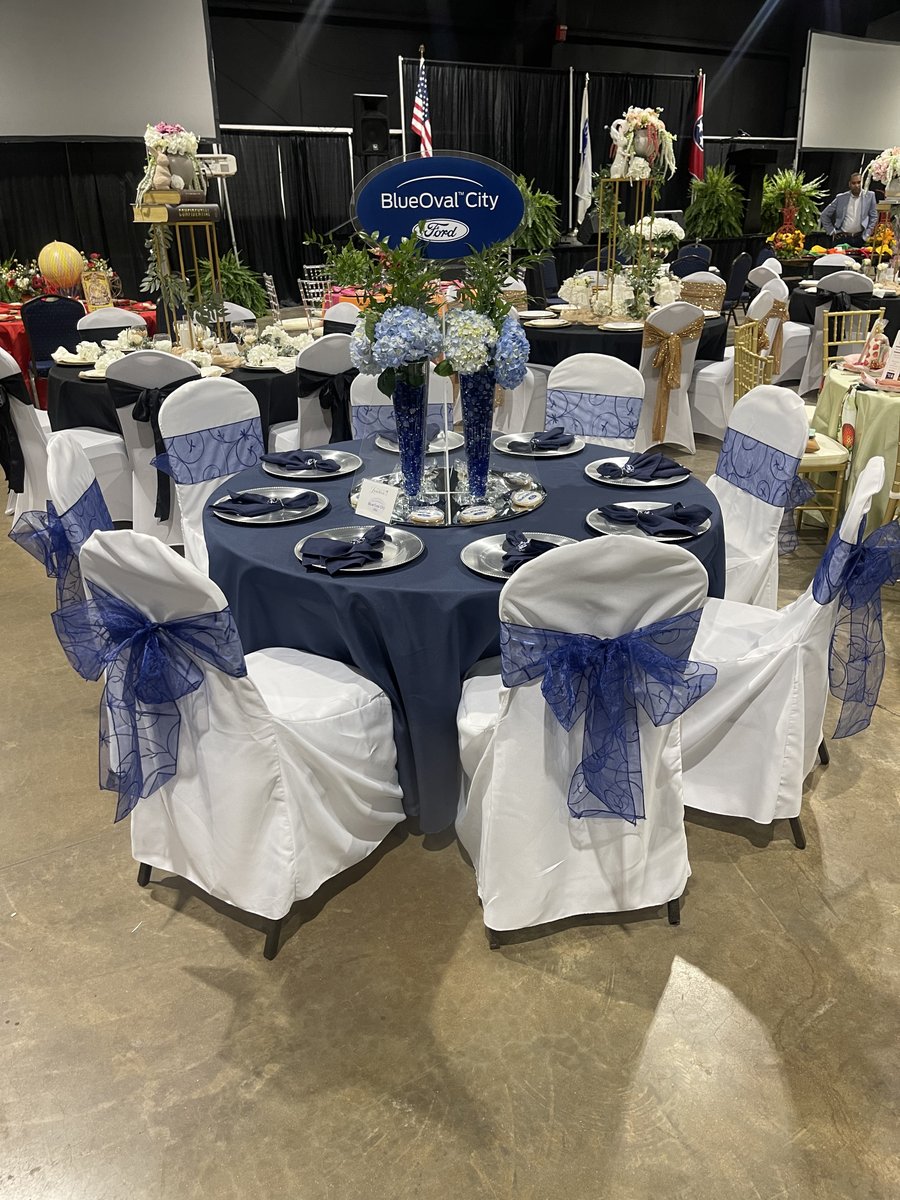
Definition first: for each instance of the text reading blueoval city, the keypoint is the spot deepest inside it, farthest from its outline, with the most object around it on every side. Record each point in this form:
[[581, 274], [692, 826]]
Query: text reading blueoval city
[[452, 200]]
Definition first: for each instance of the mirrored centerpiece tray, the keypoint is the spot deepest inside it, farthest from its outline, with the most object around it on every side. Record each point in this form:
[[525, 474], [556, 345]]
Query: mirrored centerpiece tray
[[445, 498]]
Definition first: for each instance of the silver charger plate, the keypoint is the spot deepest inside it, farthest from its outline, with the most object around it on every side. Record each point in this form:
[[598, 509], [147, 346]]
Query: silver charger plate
[[485, 557], [348, 463], [453, 441], [502, 444], [402, 548], [591, 471], [598, 522], [281, 516]]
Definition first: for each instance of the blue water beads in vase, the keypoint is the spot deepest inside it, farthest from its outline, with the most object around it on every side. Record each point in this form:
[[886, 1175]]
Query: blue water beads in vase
[[477, 395], [410, 408]]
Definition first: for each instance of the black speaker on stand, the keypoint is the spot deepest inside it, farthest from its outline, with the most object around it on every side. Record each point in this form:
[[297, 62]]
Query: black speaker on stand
[[371, 132]]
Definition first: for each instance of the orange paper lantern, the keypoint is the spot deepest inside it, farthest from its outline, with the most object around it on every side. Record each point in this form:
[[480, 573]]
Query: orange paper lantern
[[60, 264]]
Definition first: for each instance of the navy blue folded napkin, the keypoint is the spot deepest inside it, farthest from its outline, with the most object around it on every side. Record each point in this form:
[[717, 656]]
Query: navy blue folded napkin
[[334, 555], [519, 549], [642, 467], [253, 504], [301, 460], [431, 432], [545, 439], [672, 518]]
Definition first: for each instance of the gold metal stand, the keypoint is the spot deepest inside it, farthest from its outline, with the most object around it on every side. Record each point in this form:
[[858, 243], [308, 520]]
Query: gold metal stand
[[611, 187], [187, 265]]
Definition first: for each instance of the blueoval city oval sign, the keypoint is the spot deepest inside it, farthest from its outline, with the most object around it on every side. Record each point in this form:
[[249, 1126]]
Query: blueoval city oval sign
[[460, 203]]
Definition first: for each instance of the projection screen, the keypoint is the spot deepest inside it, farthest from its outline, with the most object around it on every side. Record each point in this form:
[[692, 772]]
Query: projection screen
[[103, 68], [852, 93]]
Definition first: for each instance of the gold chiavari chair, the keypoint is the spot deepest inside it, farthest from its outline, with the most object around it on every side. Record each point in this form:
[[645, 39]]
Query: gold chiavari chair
[[846, 333], [750, 368]]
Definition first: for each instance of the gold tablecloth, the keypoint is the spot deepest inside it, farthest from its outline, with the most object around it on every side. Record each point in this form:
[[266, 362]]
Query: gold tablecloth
[[877, 431]]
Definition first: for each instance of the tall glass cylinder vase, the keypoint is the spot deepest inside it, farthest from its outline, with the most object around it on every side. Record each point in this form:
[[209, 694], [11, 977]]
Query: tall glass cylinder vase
[[410, 399], [477, 395]]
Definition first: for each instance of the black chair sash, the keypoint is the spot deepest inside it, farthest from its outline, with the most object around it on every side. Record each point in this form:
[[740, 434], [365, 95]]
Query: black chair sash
[[334, 394], [11, 459], [146, 405]]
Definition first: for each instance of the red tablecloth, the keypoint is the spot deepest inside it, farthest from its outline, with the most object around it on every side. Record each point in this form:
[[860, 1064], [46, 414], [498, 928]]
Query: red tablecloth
[[14, 339]]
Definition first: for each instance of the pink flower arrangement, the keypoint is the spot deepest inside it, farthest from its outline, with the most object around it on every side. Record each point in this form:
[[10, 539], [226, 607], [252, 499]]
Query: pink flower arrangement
[[884, 168]]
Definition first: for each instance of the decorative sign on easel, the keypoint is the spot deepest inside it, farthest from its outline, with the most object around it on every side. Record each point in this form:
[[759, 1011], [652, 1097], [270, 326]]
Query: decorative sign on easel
[[461, 202], [274, 304], [892, 368]]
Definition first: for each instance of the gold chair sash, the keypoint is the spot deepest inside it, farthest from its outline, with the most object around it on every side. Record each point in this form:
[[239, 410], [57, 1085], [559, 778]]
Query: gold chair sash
[[780, 310], [704, 295], [667, 360]]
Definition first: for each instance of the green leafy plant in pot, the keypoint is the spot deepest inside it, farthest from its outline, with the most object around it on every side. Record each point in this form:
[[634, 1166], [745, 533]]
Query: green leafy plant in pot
[[716, 209], [539, 230], [240, 285], [791, 189]]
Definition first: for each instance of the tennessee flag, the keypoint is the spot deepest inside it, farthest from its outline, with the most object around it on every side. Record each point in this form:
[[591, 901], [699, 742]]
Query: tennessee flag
[[695, 159]]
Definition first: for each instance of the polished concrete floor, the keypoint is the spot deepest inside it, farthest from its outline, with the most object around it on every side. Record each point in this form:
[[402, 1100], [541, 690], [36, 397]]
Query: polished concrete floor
[[148, 1050]]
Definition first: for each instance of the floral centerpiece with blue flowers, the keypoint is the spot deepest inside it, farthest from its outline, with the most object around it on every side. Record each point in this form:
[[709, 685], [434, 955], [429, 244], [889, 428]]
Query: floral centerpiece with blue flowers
[[485, 344], [395, 337]]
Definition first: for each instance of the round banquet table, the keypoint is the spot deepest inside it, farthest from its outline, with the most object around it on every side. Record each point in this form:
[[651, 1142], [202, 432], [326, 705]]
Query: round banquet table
[[877, 432], [73, 401], [415, 630], [804, 302], [551, 346]]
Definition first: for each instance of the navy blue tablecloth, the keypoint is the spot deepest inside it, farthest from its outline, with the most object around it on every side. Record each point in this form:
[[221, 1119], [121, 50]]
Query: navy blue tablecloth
[[804, 302], [415, 630]]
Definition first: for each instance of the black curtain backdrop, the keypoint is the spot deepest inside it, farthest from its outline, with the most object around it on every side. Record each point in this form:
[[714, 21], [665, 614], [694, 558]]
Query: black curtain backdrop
[[76, 192], [517, 116]]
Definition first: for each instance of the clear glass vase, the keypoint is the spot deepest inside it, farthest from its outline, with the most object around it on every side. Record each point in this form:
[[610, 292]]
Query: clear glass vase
[[477, 395], [410, 401]]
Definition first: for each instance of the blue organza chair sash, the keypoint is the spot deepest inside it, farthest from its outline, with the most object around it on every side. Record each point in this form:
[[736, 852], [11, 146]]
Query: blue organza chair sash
[[149, 667], [55, 540], [767, 473], [855, 575], [593, 414], [604, 680], [370, 420], [210, 453]]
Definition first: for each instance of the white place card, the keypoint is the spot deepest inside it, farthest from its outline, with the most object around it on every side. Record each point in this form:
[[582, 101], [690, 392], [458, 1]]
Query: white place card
[[377, 500], [892, 367]]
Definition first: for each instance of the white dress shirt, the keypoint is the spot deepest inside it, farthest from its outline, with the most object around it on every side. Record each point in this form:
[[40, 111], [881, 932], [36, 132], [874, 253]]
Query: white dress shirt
[[852, 222]]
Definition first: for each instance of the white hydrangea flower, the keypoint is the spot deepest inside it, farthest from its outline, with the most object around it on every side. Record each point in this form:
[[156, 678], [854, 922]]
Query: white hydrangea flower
[[263, 355]]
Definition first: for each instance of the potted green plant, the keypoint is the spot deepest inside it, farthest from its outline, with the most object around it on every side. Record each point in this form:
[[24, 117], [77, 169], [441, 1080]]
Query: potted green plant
[[240, 285], [716, 209], [348, 266], [790, 189]]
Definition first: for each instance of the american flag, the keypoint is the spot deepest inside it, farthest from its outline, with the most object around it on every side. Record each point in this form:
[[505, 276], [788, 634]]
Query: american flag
[[420, 122]]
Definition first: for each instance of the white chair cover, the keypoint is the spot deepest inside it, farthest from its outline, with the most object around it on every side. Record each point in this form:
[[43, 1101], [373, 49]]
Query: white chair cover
[[825, 264], [212, 430], [767, 431], [598, 397], [748, 745], [32, 435], [371, 411], [669, 318], [761, 275], [344, 311], [284, 778], [111, 318], [524, 408], [851, 283], [534, 862], [712, 390], [236, 313], [330, 355], [148, 369], [795, 336]]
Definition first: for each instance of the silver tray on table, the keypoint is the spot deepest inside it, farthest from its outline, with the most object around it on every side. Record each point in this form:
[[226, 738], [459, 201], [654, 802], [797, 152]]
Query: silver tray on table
[[280, 516], [485, 557], [348, 463], [399, 547]]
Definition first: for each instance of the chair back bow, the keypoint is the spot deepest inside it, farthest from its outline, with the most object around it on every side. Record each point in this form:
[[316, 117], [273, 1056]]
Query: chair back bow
[[604, 680], [856, 658], [146, 403], [334, 394], [149, 667], [667, 361], [43, 535], [11, 458]]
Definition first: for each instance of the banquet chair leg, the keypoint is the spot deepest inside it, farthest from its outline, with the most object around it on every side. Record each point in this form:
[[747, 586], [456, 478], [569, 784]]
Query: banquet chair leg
[[144, 870], [493, 938], [799, 835], [824, 756], [273, 937], [674, 911]]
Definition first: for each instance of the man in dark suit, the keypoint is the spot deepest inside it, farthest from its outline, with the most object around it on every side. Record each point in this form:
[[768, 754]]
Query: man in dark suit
[[851, 216]]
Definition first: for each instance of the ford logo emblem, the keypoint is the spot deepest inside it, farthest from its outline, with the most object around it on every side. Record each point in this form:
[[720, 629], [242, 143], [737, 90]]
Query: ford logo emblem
[[443, 230]]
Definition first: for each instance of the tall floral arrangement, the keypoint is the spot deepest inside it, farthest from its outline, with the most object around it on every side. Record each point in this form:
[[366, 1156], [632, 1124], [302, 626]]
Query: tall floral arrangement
[[163, 141], [644, 147], [884, 168]]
